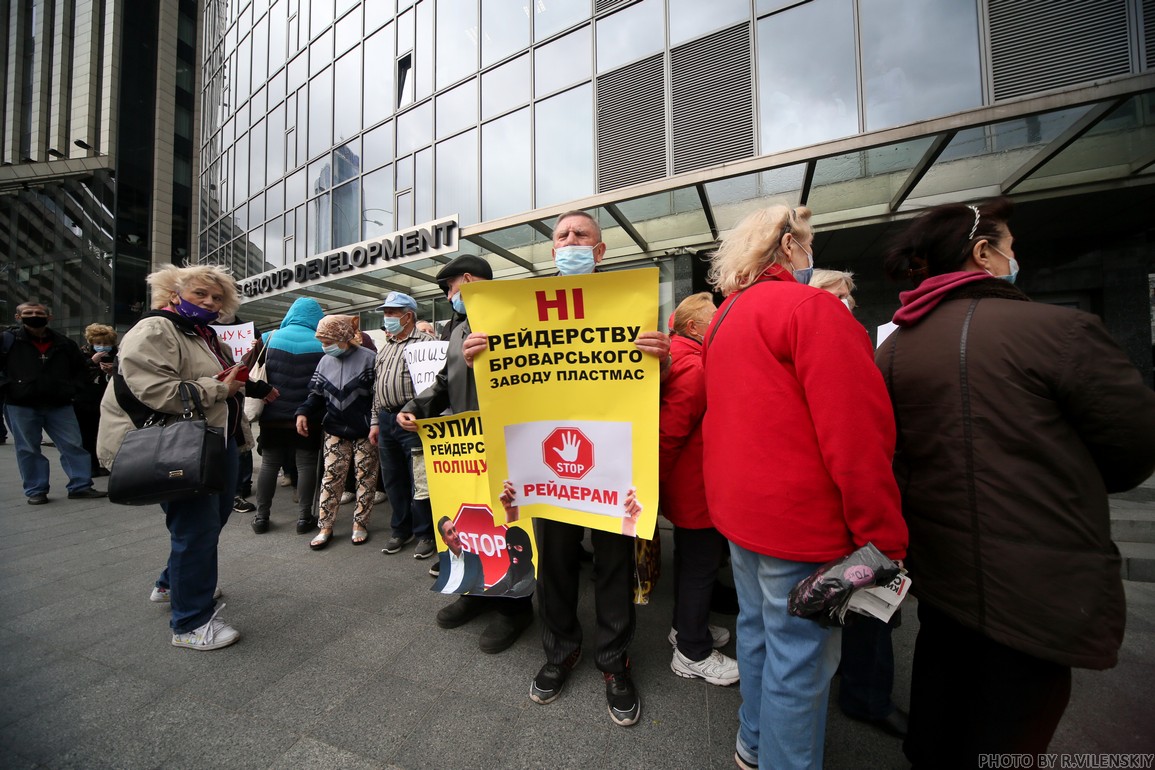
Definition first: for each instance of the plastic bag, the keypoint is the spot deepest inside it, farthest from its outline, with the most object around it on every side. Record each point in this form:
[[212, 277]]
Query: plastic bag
[[824, 596]]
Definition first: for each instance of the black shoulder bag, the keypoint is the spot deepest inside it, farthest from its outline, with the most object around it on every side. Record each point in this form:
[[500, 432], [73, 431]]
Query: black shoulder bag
[[170, 457]]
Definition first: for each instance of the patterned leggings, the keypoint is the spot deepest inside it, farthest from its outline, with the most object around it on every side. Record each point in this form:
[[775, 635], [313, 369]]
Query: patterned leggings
[[338, 453]]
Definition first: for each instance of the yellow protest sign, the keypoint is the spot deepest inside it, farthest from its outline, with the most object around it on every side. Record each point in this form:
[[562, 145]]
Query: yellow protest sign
[[476, 555], [570, 403]]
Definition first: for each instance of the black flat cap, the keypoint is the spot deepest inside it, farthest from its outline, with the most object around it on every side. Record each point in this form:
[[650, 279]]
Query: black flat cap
[[466, 263]]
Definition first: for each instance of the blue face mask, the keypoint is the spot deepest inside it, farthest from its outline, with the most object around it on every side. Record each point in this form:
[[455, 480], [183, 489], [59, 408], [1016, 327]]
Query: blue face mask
[[196, 312], [102, 348], [574, 260], [391, 325], [332, 350], [803, 275], [458, 304], [1014, 267]]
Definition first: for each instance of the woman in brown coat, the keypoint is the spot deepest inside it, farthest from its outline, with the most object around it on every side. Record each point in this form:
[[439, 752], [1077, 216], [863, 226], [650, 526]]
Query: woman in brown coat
[[1015, 420]]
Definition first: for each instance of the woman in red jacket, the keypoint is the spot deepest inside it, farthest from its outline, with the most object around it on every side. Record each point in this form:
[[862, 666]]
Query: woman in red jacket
[[798, 442], [698, 548]]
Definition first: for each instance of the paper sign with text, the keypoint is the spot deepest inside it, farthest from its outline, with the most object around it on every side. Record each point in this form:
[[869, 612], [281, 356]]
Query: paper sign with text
[[239, 337], [425, 360], [570, 403]]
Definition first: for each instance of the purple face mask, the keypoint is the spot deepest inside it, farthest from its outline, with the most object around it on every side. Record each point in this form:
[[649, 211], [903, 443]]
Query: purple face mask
[[196, 312]]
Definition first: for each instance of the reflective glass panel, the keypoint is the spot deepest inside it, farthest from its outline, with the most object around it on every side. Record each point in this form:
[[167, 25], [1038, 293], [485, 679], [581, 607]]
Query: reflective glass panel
[[563, 62], [631, 34], [423, 184], [457, 109], [504, 29], [505, 87], [378, 79], [321, 112], [977, 160], [690, 19], [552, 17], [378, 146], [321, 52], [414, 128], [261, 52], [346, 161], [734, 198], [241, 172], [347, 104], [377, 12], [321, 16], [320, 176], [377, 202], [805, 98], [864, 178], [277, 35], [506, 169], [348, 31], [423, 63], [1109, 150], [919, 60], [457, 177], [456, 42], [256, 156], [346, 214], [669, 219], [564, 141], [320, 225]]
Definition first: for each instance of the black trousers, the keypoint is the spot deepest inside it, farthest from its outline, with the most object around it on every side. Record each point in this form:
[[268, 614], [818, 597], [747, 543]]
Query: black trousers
[[698, 554], [867, 668], [971, 695], [558, 581]]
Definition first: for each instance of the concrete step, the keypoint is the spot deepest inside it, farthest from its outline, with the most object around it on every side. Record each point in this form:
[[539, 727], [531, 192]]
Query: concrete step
[[1138, 561], [1132, 522]]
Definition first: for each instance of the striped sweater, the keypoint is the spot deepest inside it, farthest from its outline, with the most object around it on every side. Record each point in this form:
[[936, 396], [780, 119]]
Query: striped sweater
[[341, 389]]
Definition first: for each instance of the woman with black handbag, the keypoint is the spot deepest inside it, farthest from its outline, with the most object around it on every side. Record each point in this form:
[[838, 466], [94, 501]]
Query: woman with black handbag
[[171, 346]]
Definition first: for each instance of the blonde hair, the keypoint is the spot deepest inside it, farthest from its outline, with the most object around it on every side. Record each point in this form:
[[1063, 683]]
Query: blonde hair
[[172, 279], [691, 309], [754, 245], [94, 333], [829, 279]]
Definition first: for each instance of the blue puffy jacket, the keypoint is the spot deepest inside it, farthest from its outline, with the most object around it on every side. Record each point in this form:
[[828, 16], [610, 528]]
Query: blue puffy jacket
[[293, 353]]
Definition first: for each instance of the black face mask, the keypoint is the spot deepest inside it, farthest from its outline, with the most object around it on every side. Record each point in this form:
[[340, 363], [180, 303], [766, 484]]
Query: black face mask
[[34, 322]]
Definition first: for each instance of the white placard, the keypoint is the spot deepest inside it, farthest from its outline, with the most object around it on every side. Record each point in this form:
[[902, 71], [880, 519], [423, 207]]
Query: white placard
[[239, 337], [425, 360]]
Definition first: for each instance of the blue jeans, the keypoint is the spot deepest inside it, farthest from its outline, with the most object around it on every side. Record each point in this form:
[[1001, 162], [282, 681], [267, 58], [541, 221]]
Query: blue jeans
[[396, 447], [28, 423], [786, 664], [194, 525]]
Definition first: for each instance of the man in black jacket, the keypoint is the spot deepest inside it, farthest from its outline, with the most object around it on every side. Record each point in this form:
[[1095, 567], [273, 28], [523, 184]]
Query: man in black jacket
[[42, 372]]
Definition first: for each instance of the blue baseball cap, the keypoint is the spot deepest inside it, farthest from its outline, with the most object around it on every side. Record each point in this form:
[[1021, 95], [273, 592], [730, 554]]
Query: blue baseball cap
[[399, 299]]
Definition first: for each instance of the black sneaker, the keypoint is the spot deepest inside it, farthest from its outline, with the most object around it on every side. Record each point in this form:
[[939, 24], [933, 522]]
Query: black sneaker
[[38, 499], [306, 525], [241, 505], [260, 524], [622, 698], [550, 680], [434, 571], [424, 549]]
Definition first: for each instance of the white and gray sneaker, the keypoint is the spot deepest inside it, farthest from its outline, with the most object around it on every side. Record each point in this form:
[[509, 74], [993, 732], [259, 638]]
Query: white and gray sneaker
[[719, 637], [716, 668], [213, 635], [160, 595]]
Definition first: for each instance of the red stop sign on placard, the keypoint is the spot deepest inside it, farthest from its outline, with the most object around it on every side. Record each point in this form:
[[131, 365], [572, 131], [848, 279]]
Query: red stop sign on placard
[[480, 535], [568, 453]]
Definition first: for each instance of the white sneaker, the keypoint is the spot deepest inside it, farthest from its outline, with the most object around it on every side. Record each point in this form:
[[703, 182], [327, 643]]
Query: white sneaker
[[284, 480], [720, 637], [716, 668], [211, 636], [378, 498], [161, 594], [347, 497]]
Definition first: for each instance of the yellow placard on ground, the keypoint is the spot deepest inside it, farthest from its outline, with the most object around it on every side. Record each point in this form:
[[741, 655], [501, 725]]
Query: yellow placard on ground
[[482, 557], [570, 403]]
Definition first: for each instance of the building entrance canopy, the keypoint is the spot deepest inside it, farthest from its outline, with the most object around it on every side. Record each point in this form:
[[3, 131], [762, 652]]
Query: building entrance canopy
[[1085, 140]]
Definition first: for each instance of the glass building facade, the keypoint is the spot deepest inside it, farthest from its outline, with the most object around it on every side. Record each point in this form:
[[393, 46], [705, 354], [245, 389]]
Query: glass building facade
[[329, 123]]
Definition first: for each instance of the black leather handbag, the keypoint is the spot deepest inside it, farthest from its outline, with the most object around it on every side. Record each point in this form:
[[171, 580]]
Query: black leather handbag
[[170, 457]]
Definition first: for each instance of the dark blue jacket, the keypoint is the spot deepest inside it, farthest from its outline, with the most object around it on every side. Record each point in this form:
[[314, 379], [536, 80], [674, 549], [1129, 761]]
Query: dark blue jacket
[[292, 357], [31, 380]]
